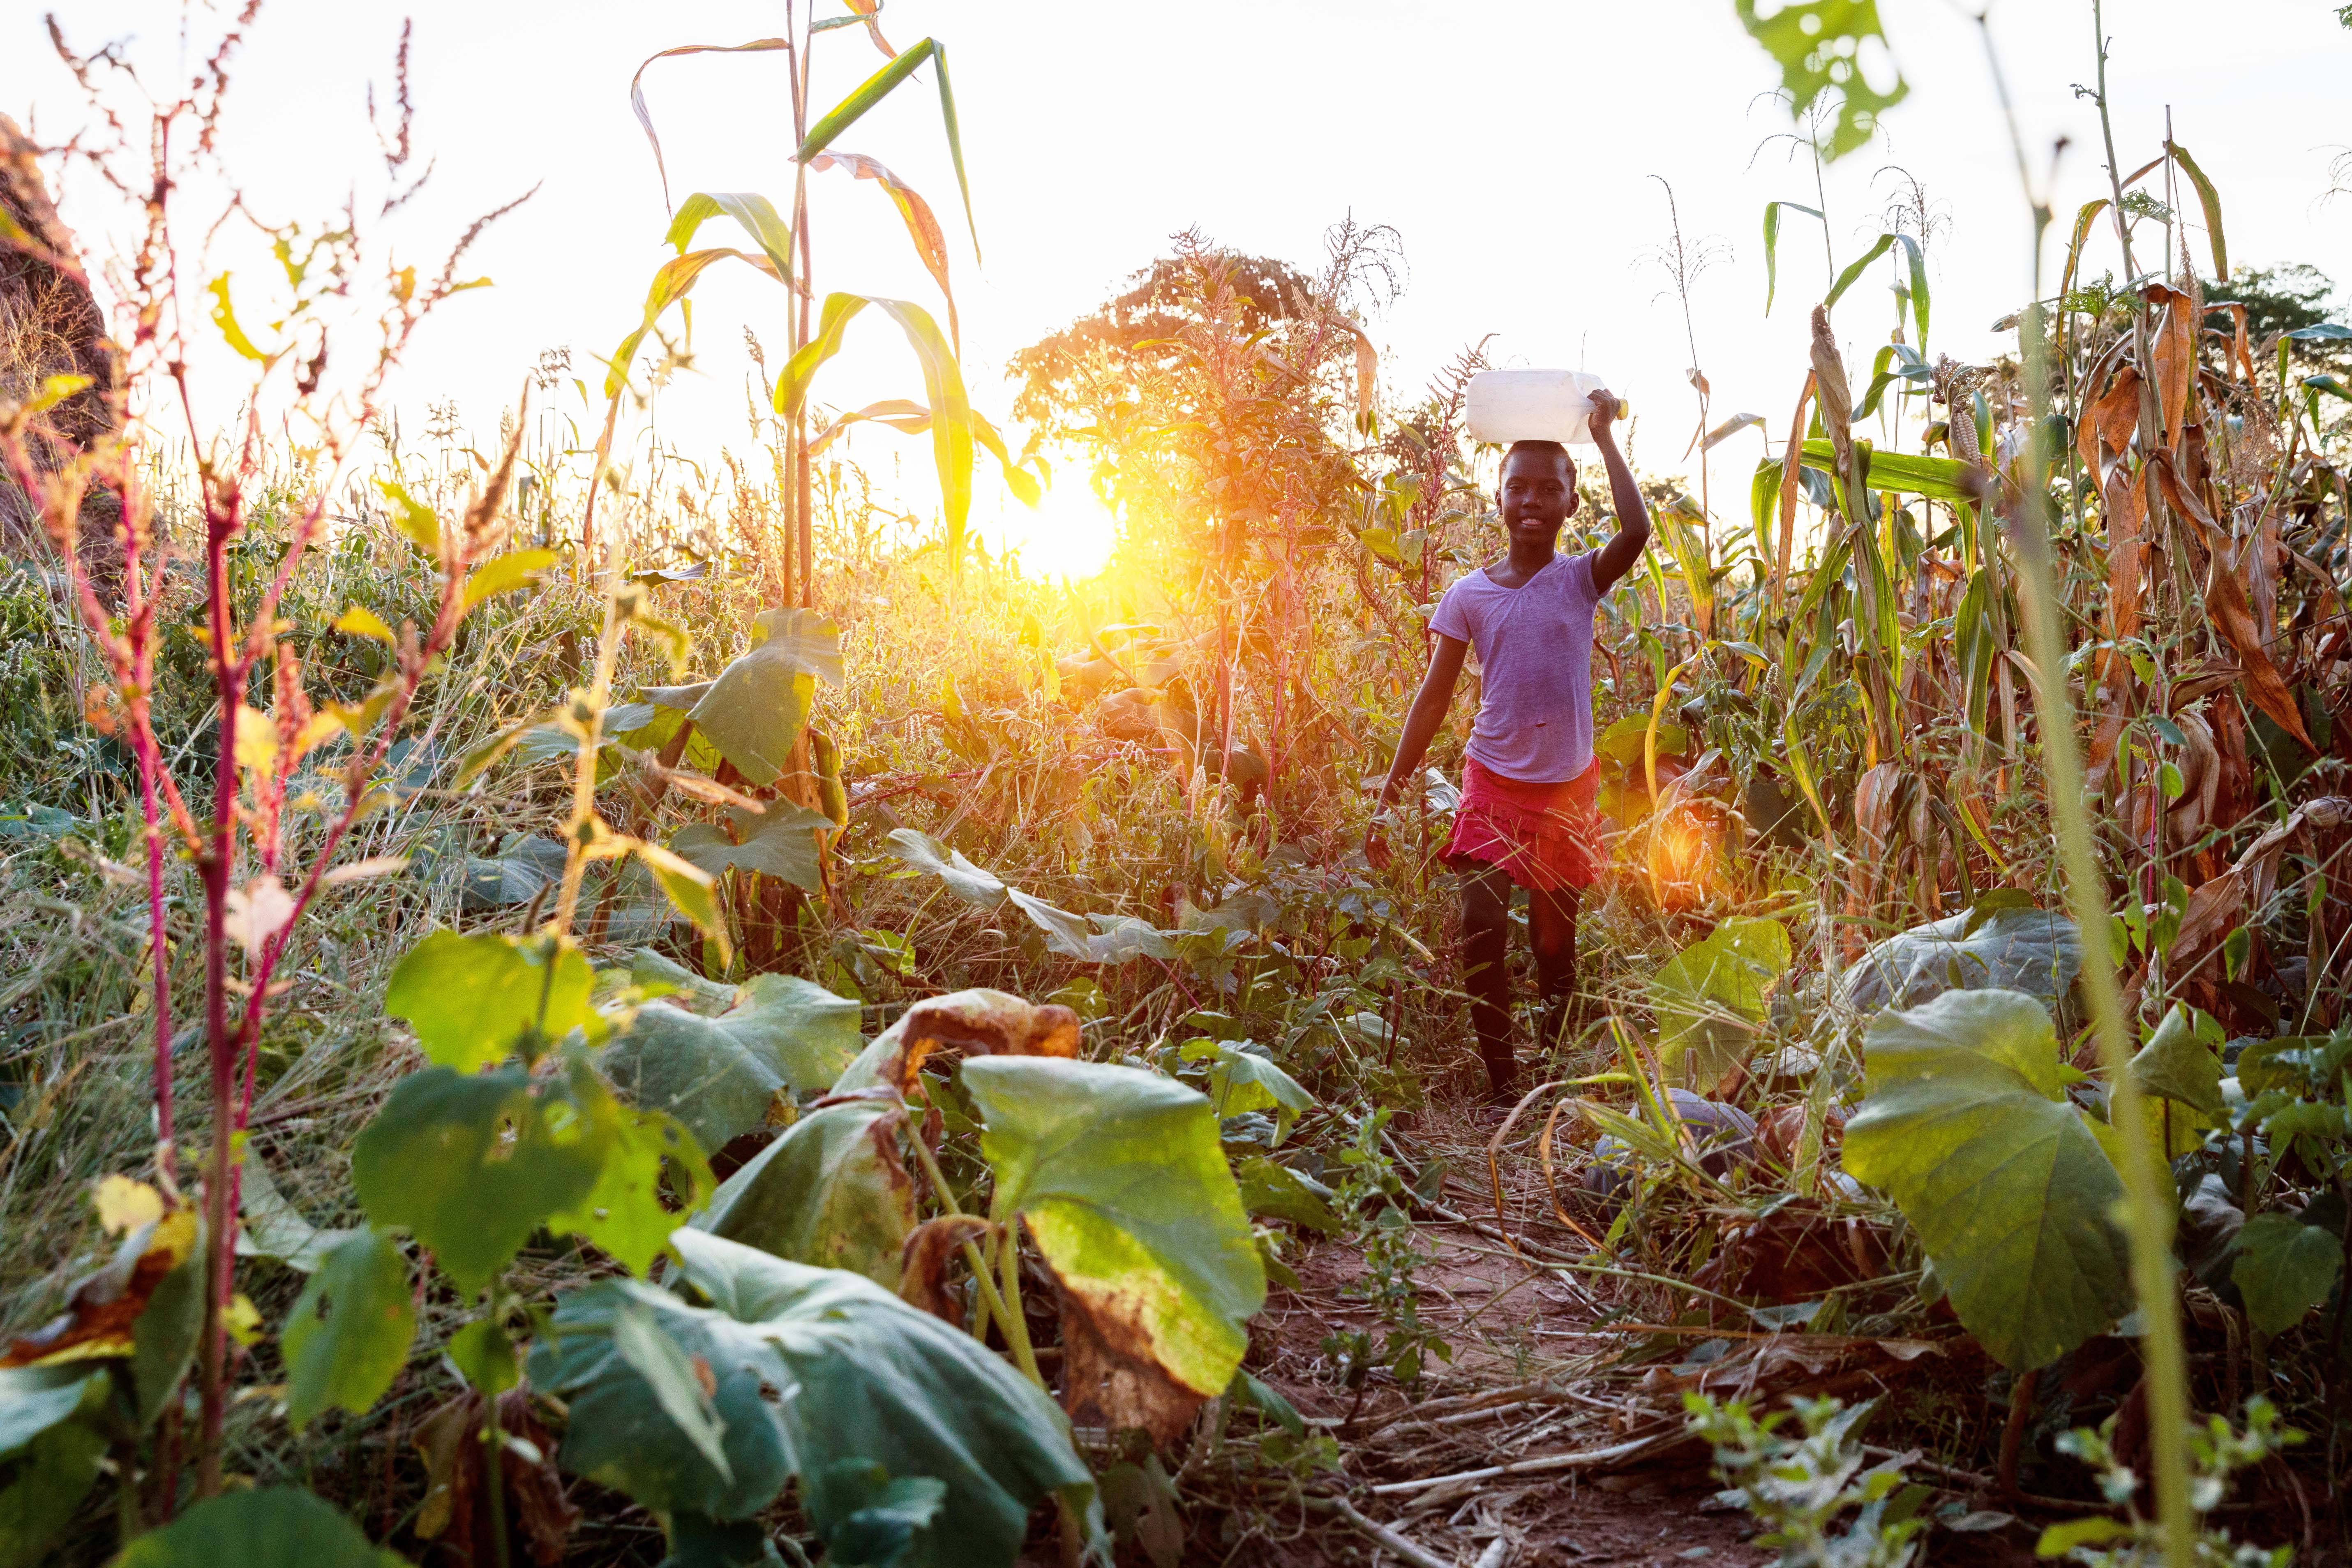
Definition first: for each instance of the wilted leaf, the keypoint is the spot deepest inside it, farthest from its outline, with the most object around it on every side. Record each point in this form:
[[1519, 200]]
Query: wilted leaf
[[104, 1308], [830, 1191], [977, 1023], [276, 1527], [2033, 951], [719, 1075], [473, 999], [1123, 1183], [349, 1333], [1968, 1128], [472, 1165], [964, 879], [860, 1374]]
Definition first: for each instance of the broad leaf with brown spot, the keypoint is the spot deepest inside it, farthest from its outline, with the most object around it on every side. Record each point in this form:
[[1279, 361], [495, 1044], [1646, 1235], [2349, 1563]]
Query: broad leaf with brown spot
[[1123, 1183], [977, 1023]]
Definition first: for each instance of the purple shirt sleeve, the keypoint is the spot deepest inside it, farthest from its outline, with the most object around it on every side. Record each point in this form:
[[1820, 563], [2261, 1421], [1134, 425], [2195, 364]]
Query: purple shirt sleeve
[[1451, 619]]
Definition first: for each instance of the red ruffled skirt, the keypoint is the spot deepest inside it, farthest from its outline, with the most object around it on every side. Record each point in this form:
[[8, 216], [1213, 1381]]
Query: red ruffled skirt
[[1545, 836]]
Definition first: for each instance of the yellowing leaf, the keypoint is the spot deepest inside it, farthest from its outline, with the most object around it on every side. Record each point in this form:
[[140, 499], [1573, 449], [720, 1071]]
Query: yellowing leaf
[[412, 517], [243, 1320], [55, 389], [374, 866], [257, 741], [358, 621], [125, 1202], [225, 317], [505, 574]]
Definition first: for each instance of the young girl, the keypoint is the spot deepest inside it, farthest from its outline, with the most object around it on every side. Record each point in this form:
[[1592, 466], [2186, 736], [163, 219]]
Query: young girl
[[1526, 813]]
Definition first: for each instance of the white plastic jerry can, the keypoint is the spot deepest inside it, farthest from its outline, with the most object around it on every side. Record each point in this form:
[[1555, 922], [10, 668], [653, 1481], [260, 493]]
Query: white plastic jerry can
[[1506, 405]]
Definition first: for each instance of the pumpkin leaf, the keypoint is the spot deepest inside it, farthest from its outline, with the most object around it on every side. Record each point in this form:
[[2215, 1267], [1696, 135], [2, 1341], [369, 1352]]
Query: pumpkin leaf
[[1968, 1128], [275, 1527], [2284, 1268], [2029, 950], [779, 842], [719, 1076], [830, 1191], [856, 1373], [964, 879], [1123, 1183], [2178, 1065], [760, 703], [1710, 999]]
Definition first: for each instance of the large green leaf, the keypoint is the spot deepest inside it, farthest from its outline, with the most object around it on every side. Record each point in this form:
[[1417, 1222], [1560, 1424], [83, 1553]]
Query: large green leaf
[[278, 1527], [50, 1448], [1710, 999], [472, 1165], [1932, 479], [472, 999], [860, 1374], [1124, 1185], [2033, 951], [2284, 1268], [1245, 1078], [349, 1333], [719, 1076], [1967, 1127], [779, 842], [830, 1191], [760, 703], [2177, 1064]]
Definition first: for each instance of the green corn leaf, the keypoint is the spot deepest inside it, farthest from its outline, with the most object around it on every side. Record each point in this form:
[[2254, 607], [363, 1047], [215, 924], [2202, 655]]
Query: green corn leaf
[[922, 228], [1772, 243], [673, 280], [2083, 216], [1934, 479], [1847, 278], [349, 1333], [1918, 259], [867, 93], [754, 213], [2210, 200]]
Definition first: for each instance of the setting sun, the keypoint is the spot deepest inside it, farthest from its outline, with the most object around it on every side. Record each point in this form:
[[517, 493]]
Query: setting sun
[[1068, 536]]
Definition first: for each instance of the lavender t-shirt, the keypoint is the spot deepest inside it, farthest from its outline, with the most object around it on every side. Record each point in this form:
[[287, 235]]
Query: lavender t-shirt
[[1534, 644]]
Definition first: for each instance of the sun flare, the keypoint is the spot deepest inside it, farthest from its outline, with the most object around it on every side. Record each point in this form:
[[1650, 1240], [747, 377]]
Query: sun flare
[[1069, 534]]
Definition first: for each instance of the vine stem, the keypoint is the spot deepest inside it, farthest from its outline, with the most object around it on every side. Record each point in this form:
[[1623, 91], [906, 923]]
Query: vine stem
[[990, 1300]]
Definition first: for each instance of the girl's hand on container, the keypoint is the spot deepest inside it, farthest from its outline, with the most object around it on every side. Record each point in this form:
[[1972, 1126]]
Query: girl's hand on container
[[1603, 415]]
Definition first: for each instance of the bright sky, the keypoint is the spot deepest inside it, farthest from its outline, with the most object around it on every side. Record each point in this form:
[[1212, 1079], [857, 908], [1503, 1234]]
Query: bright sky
[[1510, 143]]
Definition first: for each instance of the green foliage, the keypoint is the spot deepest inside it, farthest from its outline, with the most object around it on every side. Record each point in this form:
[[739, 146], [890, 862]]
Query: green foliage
[[779, 842], [2286, 1269], [50, 1444], [720, 1076], [1798, 1489], [2217, 1451], [1967, 1127], [830, 1191], [472, 1165], [878, 1382], [1710, 998], [1999, 945], [1372, 1195], [1818, 44], [349, 1333], [2180, 1061], [1124, 1185], [276, 1527], [756, 706], [473, 999]]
